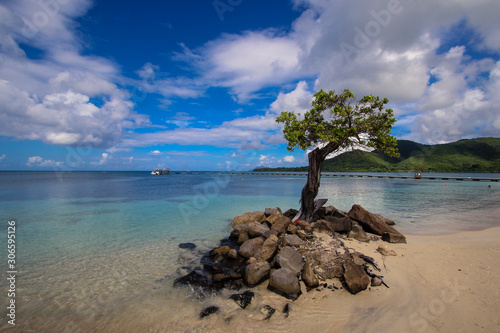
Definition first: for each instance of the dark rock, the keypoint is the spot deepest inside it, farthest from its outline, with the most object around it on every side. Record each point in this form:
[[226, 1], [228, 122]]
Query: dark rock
[[251, 246], [308, 275], [392, 237], [285, 282], [286, 309], [233, 254], [386, 220], [273, 210], [340, 224], [256, 229], [304, 225], [193, 279], [257, 272], [375, 224], [208, 311], [189, 246], [358, 233], [293, 240], [290, 213], [223, 250], [268, 311], [323, 226], [355, 277], [291, 259], [248, 218], [281, 224], [269, 248], [243, 299], [320, 213]]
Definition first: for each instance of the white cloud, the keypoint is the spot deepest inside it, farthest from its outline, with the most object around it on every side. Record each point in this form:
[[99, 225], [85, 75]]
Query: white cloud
[[155, 152], [2, 157], [105, 157], [39, 161], [289, 159]]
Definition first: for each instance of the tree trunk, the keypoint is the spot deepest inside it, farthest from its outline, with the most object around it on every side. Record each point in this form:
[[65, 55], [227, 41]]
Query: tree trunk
[[310, 190]]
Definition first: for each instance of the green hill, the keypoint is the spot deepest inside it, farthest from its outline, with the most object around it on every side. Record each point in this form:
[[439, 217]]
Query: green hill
[[472, 155]]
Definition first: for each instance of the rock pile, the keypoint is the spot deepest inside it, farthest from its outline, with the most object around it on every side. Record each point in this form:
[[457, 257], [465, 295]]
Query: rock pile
[[268, 246]]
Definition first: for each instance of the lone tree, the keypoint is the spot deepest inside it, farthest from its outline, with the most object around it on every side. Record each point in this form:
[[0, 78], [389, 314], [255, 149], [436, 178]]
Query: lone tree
[[335, 122]]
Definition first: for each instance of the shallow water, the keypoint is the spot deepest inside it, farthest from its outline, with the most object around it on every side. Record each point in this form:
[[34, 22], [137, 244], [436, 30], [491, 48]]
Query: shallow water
[[99, 251]]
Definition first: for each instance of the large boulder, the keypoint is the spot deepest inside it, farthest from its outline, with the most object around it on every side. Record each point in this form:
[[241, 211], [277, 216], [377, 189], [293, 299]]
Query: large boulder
[[285, 282], [293, 240], [248, 218], [291, 259], [273, 218], [340, 224], [269, 248], [281, 224], [273, 210], [256, 229], [251, 246], [308, 275], [323, 226], [385, 250], [355, 277], [257, 272], [375, 224], [358, 233]]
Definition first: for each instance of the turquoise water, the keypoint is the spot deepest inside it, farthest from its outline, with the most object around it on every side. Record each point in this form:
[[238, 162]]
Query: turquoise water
[[69, 225]]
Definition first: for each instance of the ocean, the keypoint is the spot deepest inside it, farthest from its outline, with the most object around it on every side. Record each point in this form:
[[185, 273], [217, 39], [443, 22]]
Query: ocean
[[98, 251]]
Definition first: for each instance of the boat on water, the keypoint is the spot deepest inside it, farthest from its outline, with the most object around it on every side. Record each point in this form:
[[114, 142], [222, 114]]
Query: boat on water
[[161, 171]]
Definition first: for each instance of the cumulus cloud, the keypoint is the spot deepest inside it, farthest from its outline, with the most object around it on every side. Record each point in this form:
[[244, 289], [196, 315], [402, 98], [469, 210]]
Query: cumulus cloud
[[105, 157], [63, 98], [289, 159], [40, 162]]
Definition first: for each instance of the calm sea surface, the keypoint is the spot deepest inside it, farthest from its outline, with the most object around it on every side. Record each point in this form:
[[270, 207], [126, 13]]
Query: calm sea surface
[[94, 248]]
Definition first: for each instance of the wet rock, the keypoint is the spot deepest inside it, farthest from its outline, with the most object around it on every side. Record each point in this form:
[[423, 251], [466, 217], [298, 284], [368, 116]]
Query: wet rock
[[189, 246], [355, 277], [256, 229], [208, 311], [232, 254], [358, 233], [223, 250], [375, 224], [285, 282], [257, 272], [304, 225], [281, 224], [193, 279], [385, 250], [291, 259], [251, 246], [308, 275], [269, 248], [243, 299], [273, 210], [248, 218], [223, 277], [293, 240]]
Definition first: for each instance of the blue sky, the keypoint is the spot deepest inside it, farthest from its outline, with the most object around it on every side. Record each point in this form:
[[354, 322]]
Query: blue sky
[[196, 85]]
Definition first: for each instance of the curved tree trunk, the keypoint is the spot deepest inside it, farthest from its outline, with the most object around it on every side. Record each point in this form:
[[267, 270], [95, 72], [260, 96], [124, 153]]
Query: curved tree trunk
[[310, 190]]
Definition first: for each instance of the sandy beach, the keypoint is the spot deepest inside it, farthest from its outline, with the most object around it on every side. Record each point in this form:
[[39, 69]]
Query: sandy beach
[[445, 283]]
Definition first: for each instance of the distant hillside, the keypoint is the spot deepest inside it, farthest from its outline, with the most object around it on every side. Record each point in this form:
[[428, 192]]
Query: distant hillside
[[474, 155]]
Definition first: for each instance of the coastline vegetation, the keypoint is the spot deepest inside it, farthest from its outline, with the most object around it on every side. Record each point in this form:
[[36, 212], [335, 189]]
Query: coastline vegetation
[[481, 155]]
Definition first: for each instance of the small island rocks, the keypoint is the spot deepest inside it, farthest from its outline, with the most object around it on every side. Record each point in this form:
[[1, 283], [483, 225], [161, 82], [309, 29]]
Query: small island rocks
[[267, 247]]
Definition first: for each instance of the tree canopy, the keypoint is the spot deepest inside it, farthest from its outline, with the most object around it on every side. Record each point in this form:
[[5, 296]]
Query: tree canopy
[[336, 121], [341, 119]]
